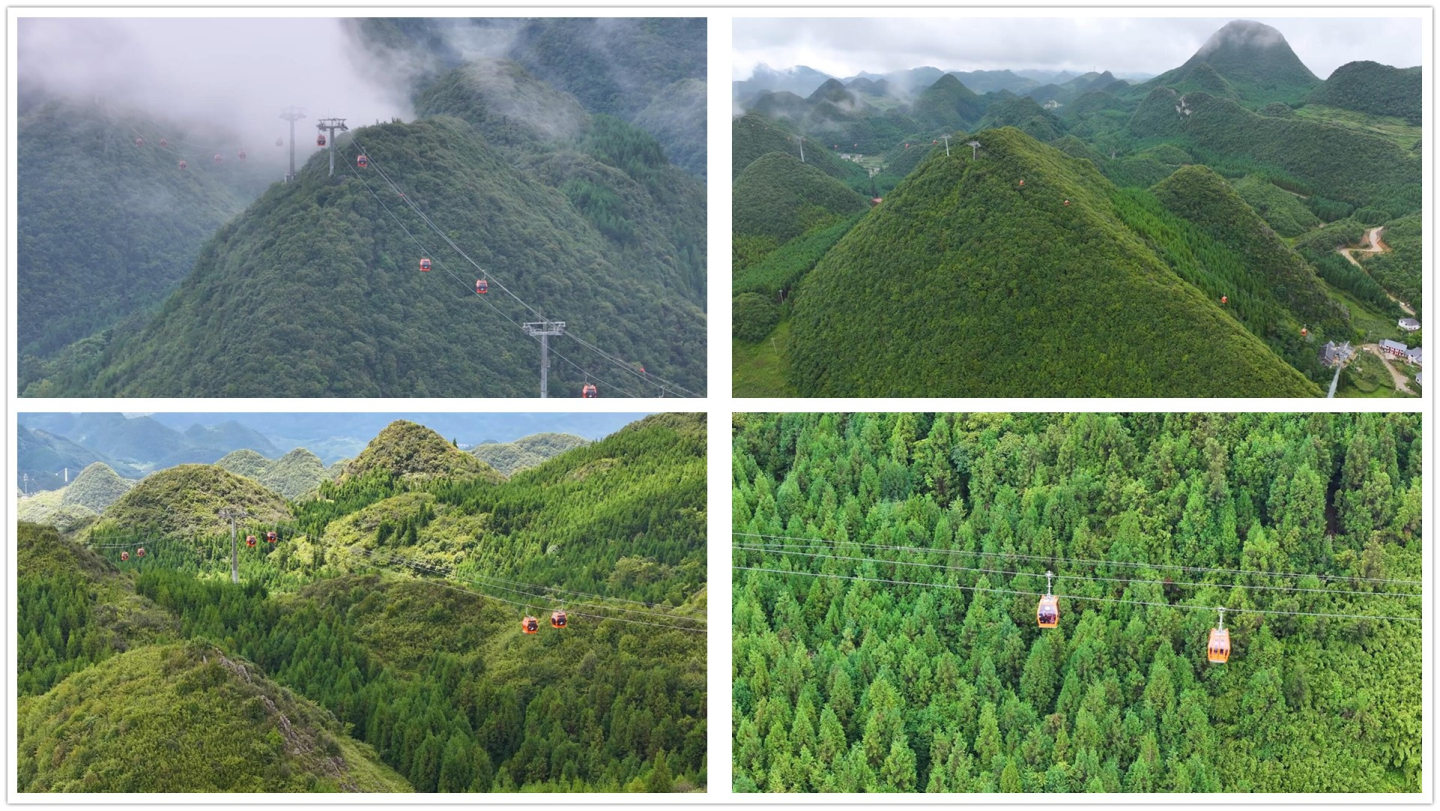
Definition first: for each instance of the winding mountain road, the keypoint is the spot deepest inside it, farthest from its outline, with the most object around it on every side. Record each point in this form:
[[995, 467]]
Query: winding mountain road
[[1373, 245]]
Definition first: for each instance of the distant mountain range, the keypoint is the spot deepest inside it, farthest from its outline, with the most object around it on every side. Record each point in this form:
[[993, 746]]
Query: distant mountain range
[[802, 80]]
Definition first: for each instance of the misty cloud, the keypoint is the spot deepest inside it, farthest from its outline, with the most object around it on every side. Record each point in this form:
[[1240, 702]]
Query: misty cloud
[[225, 76], [843, 47]]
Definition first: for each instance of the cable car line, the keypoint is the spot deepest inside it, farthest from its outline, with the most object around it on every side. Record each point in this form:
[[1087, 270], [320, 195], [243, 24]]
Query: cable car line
[[1081, 597], [1082, 561], [424, 252], [646, 376], [477, 593], [1084, 578]]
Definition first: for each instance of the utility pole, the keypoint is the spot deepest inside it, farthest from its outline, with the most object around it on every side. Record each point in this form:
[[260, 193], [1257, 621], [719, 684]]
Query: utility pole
[[67, 475], [25, 483], [801, 139], [292, 114], [332, 124], [232, 514], [974, 148], [947, 145], [544, 329]]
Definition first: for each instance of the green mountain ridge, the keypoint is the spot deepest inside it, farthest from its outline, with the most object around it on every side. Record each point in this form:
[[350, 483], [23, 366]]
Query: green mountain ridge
[[186, 500], [526, 452]]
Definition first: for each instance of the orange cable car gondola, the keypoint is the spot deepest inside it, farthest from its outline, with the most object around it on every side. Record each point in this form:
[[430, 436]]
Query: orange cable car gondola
[[1304, 331], [482, 287], [530, 625], [271, 537], [250, 540], [558, 619], [140, 553], [320, 139], [362, 161], [1218, 651], [1047, 613], [124, 556], [424, 265], [589, 392], [1224, 299]]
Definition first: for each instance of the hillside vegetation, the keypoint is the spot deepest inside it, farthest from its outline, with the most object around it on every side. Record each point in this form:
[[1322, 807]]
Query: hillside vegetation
[[1370, 87], [186, 500], [526, 452], [889, 566], [292, 475], [354, 656], [983, 285]]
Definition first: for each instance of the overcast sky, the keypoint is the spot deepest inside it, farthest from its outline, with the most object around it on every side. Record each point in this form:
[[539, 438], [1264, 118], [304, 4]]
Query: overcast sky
[[844, 47]]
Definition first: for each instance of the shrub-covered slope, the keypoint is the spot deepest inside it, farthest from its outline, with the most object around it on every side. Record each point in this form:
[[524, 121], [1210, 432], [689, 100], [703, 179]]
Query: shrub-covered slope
[[185, 500], [315, 290], [526, 452], [187, 718], [754, 135], [292, 475], [408, 451], [964, 283]]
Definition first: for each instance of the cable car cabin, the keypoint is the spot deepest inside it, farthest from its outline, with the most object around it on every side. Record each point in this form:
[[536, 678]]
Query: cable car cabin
[[1304, 332], [139, 141], [424, 265], [241, 155], [279, 141], [320, 139], [140, 553], [589, 392], [557, 619], [271, 537], [219, 158], [124, 556], [530, 625], [1224, 299], [184, 165], [249, 540], [164, 142], [481, 286], [1067, 202], [362, 161], [1219, 650], [1047, 614]]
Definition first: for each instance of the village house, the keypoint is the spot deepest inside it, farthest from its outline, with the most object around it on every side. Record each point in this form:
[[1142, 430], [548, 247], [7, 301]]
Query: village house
[[1394, 349], [1413, 355], [1409, 324]]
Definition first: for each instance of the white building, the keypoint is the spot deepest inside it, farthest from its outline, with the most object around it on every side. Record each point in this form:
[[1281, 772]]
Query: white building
[[1409, 324]]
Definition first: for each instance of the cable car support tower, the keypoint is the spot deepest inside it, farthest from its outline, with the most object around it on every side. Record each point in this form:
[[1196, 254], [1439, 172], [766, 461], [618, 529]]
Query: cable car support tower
[[233, 514], [292, 114], [543, 330], [332, 124]]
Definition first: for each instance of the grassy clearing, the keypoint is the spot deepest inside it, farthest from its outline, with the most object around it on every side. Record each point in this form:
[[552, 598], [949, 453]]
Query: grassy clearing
[[762, 369], [1396, 129]]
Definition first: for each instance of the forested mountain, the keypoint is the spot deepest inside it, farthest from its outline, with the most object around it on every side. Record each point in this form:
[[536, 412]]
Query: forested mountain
[[888, 570], [106, 227], [78, 502], [385, 664], [526, 452], [999, 289], [549, 185], [1370, 87], [292, 475], [1238, 173]]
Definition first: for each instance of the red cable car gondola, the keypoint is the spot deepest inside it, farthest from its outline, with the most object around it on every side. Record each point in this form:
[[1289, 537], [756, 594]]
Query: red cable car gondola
[[1218, 651], [139, 141], [1304, 332], [362, 161], [219, 158], [271, 537], [481, 286], [589, 392], [184, 165], [558, 619], [424, 265], [1067, 203], [140, 553], [241, 155], [164, 142], [250, 540], [1047, 614], [320, 139], [124, 556], [1224, 299], [530, 625]]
